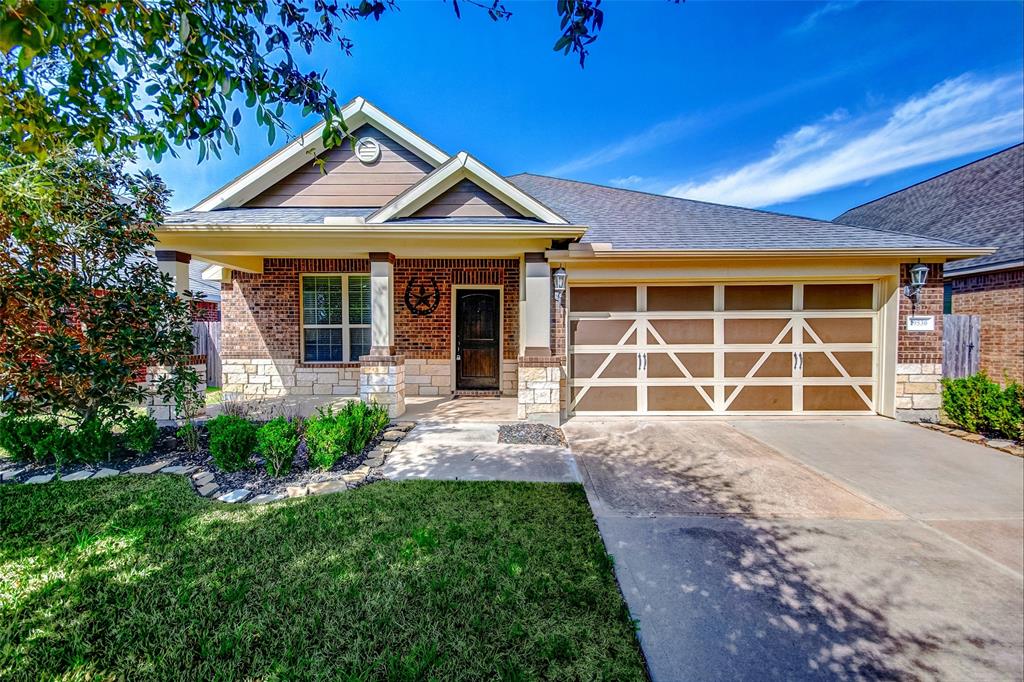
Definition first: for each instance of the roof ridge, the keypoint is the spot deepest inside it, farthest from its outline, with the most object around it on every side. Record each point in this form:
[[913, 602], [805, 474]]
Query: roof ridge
[[927, 180]]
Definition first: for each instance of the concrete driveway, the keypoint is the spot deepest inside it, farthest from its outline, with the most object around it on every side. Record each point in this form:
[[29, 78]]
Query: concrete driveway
[[811, 549]]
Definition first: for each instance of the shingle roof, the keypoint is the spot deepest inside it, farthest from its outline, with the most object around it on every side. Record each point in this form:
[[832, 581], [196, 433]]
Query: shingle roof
[[637, 220], [982, 202]]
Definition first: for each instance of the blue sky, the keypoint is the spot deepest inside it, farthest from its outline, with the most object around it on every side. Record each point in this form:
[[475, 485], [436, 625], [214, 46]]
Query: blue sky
[[800, 107]]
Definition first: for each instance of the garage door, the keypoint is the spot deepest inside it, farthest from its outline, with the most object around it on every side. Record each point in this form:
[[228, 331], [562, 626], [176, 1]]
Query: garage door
[[780, 348]]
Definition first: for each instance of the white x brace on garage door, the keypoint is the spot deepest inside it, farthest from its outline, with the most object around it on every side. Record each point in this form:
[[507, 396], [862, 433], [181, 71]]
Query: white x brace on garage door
[[796, 348]]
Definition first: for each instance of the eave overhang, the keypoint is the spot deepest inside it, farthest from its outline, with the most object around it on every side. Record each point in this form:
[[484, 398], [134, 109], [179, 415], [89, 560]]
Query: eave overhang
[[605, 253]]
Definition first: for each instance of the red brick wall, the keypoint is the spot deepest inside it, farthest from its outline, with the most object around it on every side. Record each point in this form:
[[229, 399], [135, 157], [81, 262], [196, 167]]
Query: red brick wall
[[921, 347], [429, 336], [206, 311], [260, 312], [998, 297]]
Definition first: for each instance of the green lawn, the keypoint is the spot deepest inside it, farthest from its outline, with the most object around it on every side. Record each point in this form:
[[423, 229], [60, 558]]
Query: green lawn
[[138, 578]]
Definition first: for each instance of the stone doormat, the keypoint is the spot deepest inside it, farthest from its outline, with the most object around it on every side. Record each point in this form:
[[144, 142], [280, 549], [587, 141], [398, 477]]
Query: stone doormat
[[253, 486], [1008, 446], [526, 433]]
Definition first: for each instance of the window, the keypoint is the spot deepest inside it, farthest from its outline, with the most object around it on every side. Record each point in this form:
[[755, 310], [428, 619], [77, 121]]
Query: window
[[335, 317], [947, 298]]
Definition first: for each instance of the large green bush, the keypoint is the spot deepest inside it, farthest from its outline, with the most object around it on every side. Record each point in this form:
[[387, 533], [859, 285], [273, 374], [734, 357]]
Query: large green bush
[[977, 403], [140, 432], [330, 434], [277, 441], [31, 439], [232, 441]]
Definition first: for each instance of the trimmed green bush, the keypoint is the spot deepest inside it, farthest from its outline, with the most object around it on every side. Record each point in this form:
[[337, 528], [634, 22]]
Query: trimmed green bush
[[44, 439], [976, 403], [361, 422], [232, 441], [140, 432], [21, 437], [277, 441], [325, 438], [93, 441]]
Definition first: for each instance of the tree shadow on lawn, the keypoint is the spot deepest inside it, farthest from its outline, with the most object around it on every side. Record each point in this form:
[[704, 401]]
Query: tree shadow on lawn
[[137, 577], [725, 591]]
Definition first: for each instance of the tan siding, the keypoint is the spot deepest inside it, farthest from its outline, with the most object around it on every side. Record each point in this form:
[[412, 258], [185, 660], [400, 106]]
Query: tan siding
[[466, 199], [347, 182]]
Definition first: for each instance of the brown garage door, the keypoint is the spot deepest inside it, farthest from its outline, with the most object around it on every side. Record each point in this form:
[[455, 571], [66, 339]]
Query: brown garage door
[[794, 348]]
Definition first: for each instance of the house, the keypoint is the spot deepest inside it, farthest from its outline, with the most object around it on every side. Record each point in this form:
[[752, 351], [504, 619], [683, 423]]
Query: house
[[981, 203], [401, 270]]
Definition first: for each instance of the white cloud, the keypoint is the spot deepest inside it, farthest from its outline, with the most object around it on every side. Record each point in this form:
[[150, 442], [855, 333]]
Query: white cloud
[[956, 117], [812, 19], [628, 181]]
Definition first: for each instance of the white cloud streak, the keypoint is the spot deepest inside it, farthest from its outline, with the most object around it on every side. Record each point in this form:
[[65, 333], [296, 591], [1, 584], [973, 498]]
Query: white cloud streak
[[812, 19], [956, 117]]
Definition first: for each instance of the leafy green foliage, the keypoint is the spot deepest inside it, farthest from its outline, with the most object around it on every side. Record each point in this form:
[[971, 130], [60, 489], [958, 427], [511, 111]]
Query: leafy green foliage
[[232, 441], [277, 441], [428, 580], [140, 432], [92, 441], [325, 438], [28, 439], [978, 404], [157, 75], [83, 304], [330, 434]]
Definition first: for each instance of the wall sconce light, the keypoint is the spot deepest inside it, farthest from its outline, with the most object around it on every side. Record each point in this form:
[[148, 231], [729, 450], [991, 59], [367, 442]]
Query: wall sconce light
[[559, 278], [918, 276]]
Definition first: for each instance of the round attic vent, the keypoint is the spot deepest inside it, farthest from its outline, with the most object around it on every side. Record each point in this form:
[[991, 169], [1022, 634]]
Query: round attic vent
[[367, 150]]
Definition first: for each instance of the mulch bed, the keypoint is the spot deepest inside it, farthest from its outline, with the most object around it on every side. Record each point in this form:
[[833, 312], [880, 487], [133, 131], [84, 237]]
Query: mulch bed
[[170, 448], [531, 434]]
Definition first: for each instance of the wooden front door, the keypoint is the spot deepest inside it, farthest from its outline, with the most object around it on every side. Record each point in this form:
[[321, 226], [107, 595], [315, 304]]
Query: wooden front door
[[477, 339]]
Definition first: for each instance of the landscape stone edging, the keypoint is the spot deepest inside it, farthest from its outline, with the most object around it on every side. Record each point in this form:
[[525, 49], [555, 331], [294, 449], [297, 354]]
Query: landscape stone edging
[[203, 484], [1002, 444]]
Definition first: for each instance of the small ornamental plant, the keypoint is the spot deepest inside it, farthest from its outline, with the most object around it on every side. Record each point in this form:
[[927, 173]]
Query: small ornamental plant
[[140, 432], [976, 403], [232, 441], [325, 438], [277, 441]]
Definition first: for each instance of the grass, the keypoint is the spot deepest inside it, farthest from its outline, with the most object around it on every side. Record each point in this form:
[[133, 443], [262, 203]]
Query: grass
[[214, 395], [138, 578]]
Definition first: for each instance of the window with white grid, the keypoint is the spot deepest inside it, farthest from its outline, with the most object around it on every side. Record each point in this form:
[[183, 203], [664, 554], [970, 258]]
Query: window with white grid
[[335, 317]]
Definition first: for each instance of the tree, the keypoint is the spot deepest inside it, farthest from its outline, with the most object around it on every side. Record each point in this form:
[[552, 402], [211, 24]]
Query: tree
[[83, 309], [163, 73]]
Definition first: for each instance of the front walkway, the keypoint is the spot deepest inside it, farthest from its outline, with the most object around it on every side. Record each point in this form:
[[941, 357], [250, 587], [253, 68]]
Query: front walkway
[[458, 440], [810, 549]]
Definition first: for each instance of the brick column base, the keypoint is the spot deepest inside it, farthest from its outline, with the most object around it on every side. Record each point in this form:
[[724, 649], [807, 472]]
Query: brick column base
[[163, 411], [918, 392], [382, 381], [539, 393]]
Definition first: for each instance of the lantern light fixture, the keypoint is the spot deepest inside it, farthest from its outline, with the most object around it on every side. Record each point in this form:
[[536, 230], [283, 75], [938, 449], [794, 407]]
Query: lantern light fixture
[[559, 277], [918, 276]]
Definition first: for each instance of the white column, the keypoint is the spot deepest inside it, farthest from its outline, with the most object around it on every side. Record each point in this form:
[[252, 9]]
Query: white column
[[537, 313], [382, 300], [175, 264]]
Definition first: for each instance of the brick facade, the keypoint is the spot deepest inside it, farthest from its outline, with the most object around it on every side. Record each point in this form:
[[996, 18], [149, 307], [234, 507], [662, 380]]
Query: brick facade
[[206, 311], [919, 354], [430, 336], [998, 298]]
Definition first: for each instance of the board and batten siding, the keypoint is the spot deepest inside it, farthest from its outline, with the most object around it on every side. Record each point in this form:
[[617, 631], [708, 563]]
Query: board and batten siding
[[347, 182], [466, 198]]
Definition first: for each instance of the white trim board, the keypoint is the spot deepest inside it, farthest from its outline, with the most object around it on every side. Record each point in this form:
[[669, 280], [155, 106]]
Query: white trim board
[[460, 167], [292, 156]]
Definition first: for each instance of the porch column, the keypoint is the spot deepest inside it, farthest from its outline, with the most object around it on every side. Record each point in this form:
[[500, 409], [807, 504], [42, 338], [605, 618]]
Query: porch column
[[537, 315], [539, 385], [175, 264], [382, 301], [382, 372]]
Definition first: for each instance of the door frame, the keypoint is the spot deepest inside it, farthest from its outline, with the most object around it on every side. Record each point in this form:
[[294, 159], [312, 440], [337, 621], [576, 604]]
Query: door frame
[[453, 323]]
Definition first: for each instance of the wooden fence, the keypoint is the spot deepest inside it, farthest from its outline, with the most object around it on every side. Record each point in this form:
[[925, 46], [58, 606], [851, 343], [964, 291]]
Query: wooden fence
[[207, 342], [961, 345]]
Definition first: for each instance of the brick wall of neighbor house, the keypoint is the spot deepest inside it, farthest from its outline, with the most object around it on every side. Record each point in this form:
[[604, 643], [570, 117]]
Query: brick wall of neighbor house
[[919, 354], [260, 333], [998, 298], [206, 311]]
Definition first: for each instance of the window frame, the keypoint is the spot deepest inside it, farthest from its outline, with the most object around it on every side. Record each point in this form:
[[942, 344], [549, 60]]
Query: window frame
[[345, 326]]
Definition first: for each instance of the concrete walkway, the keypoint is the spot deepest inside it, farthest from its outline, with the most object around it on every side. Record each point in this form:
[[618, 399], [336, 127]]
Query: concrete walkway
[[810, 549], [458, 440]]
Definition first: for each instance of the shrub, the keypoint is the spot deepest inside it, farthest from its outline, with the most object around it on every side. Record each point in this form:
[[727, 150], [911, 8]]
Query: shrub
[[232, 440], [977, 403], [140, 432], [277, 441], [361, 422], [92, 442], [325, 438], [32, 439]]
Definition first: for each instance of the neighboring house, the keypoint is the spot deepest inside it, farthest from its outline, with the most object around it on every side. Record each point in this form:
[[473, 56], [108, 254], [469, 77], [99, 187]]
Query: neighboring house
[[403, 270], [980, 203]]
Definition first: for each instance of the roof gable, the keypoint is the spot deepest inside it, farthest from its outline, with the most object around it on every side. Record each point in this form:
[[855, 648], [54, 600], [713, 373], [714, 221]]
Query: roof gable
[[346, 180], [300, 152], [458, 168], [466, 199]]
